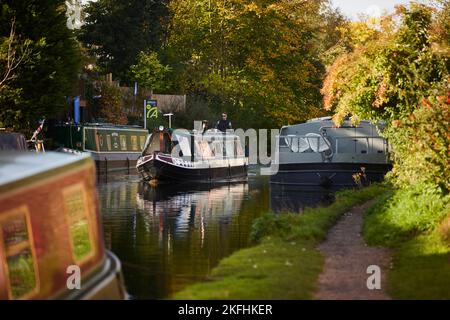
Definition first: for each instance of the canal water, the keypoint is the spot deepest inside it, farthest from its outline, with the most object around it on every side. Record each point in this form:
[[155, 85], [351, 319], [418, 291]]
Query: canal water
[[168, 237]]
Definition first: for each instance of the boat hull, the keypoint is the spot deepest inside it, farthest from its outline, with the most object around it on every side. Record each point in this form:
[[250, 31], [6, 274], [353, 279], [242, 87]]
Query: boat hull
[[108, 162], [330, 175], [163, 171]]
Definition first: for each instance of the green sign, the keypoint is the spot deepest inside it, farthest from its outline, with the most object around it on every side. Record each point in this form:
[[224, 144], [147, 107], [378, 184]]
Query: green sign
[[151, 109]]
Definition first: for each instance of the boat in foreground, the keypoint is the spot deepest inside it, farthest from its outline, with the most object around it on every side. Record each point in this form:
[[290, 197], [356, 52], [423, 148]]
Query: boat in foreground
[[190, 156], [51, 237], [318, 153]]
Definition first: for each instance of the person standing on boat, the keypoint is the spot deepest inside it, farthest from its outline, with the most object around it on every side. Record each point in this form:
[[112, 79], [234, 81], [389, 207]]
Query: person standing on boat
[[223, 124]]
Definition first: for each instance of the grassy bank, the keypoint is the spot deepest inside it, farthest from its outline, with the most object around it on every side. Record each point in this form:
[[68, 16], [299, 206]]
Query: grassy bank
[[415, 222], [285, 263]]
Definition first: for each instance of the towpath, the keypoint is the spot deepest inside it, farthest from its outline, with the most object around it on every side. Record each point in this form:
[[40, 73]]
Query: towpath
[[347, 258]]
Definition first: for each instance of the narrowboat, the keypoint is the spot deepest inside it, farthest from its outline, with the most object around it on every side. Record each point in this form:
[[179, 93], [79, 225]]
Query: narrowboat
[[319, 153], [12, 141], [51, 239], [113, 147], [211, 156]]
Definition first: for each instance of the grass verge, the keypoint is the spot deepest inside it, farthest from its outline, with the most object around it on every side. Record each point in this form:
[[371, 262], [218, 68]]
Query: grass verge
[[414, 222], [285, 264]]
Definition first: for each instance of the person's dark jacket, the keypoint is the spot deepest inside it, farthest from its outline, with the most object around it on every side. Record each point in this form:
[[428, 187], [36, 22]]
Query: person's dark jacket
[[223, 125]]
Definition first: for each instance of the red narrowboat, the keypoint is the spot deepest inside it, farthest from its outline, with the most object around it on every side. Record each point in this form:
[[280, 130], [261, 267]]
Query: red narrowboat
[[51, 241]]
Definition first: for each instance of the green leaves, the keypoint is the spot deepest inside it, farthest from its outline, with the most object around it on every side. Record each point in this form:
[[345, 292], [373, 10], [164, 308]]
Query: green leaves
[[110, 108], [258, 58], [398, 77], [149, 72], [116, 31], [46, 78]]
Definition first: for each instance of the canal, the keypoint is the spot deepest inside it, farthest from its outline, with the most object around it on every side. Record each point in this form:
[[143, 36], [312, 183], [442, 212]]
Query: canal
[[168, 237]]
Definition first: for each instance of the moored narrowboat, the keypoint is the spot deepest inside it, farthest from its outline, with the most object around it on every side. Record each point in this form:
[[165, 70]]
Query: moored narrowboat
[[192, 156], [319, 153], [51, 239], [12, 141], [113, 147]]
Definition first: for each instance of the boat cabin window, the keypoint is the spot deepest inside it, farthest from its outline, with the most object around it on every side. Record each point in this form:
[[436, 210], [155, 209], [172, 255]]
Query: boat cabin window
[[296, 144], [239, 150], [210, 147], [310, 142], [229, 147], [185, 146], [203, 149], [217, 148], [317, 143], [18, 257], [76, 205], [158, 141], [230, 150]]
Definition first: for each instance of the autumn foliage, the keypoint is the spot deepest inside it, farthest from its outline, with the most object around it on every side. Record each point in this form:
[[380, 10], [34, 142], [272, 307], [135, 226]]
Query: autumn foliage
[[400, 75], [259, 60]]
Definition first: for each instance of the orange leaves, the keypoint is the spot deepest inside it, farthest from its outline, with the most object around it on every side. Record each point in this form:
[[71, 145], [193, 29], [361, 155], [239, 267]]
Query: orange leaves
[[426, 103], [329, 89], [380, 95], [396, 123], [447, 99]]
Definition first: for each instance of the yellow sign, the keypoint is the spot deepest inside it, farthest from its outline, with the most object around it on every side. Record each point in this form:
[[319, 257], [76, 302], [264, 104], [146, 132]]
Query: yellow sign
[[151, 108]]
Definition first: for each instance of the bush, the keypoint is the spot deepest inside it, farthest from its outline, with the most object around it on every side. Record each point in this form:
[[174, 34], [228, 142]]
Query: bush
[[269, 224], [111, 107], [422, 144], [399, 216], [400, 76]]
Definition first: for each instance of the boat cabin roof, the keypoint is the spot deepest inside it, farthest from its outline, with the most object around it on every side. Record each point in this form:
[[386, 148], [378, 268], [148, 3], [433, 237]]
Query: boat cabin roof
[[208, 134], [16, 166], [99, 125], [314, 125]]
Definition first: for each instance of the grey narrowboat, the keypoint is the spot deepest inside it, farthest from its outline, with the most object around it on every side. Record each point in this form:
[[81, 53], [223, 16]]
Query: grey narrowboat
[[319, 153]]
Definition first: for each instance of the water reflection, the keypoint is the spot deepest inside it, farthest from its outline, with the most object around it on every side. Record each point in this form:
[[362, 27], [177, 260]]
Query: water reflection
[[184, 212], [294, 198], [168, 237], [171, 236]]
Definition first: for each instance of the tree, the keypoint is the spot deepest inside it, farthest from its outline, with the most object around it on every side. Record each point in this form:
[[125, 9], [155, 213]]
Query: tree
[[116, 31], [13, 53], [110, 104], [149, 72], [401, 76], [44, 78], [260, 60]]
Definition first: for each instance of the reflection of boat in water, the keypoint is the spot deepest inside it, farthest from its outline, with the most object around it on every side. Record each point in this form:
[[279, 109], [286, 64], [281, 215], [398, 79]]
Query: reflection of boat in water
[[193, 156], [317, 153], [170, 236], [179, 212], [292, 198], [218, 200]]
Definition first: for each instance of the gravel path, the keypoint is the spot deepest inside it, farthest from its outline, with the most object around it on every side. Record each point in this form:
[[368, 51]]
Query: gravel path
[[347, 258]]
